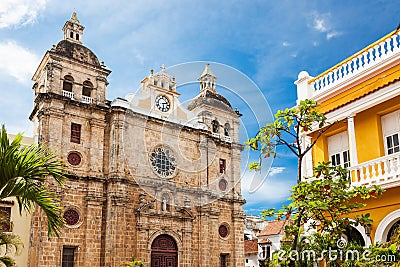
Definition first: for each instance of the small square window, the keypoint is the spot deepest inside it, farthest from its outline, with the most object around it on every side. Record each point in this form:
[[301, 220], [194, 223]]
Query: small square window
[[68, 257], [75, 133], [222, 165], [341, 159], [392, 143], [223, 260]]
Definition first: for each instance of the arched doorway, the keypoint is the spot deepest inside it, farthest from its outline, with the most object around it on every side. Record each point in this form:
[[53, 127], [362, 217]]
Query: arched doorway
[[354, 236], [164, 252]]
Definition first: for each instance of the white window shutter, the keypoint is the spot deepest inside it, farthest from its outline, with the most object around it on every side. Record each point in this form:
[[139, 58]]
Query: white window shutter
[[338, 143], [391, 123]]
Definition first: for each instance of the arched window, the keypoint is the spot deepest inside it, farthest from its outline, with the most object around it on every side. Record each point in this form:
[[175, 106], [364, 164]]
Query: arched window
[[71, 35], [227, 127], [68, 82], [87, 88], [215, 126], [77, 36]]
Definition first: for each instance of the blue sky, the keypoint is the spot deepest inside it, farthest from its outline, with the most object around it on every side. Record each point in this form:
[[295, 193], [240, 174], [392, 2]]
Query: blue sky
[[269, 41]]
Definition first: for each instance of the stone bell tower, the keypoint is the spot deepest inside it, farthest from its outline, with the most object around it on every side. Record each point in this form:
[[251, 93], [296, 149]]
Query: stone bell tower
[[69, 112], [207, 80], [73, 30]]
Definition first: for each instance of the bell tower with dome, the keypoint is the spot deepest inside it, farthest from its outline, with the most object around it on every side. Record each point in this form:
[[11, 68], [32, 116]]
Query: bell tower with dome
[[146, 175], [69, 115]]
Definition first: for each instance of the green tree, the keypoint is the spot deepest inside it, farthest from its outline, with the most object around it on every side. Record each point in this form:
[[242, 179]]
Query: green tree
[[24, 171], [326, 199], [327, 205], [287, 130]]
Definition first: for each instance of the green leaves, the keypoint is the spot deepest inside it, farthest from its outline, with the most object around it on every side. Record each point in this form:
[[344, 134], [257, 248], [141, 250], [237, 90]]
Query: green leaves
[[286, 129], [10, 243], [329, 201], [133, 262], [24, 171]]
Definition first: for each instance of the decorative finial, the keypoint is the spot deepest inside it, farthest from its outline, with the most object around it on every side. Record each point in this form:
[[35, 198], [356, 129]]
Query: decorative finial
[[74, 18], [162, 67], [151, 71], [207, 71]]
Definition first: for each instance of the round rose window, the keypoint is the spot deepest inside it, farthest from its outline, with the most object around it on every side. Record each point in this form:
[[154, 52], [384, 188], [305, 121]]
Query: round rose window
[[222, 184], [74, 158], [71, 217], [223, 230], [163, 162]]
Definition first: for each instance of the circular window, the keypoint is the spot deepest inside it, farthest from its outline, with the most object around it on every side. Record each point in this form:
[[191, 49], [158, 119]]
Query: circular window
[[163, 162], [223, 184], [71, 217], [223, 230], [74, 158]]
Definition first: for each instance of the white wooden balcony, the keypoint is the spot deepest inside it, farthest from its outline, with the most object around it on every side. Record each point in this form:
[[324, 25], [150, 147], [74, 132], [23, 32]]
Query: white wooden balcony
[[384, 171], [87, 99], [68, 94]]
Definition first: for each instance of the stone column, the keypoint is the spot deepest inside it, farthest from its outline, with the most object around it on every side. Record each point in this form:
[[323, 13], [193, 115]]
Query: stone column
[[307, 164], [238, 234], [352, 141], [187, 239], [93, 231], [203, 245]]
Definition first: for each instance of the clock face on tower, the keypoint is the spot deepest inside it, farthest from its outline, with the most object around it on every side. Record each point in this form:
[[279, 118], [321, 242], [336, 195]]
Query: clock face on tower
[[162, 103]]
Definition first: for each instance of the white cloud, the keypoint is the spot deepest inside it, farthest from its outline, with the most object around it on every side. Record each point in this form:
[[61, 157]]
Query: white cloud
[[19, 12], [17, 61], [322, 23], [332, 34], [275, 170], [285, 43], [273, 189]]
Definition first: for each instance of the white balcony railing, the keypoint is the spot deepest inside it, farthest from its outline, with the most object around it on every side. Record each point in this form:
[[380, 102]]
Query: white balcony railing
[[215, 135], [68, 94], [228, 139], [87, 99], [369, 57], [384, 171]]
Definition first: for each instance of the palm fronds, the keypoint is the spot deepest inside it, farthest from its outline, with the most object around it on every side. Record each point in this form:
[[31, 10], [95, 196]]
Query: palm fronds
[[24, 171]]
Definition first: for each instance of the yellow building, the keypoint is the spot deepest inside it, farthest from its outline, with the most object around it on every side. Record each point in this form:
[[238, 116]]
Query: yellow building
[[18, 224], [362, 96]]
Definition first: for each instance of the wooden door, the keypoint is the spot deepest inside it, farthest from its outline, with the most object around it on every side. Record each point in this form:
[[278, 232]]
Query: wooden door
[[164, 252]]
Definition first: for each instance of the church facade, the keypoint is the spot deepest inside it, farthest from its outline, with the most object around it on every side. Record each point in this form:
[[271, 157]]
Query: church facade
[[146, 175]]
